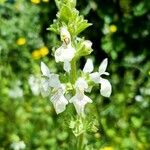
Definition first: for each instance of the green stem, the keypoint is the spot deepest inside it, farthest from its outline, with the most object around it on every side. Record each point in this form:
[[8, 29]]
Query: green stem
[[80, 142], [73, 77], [73, 71], [81, 137]]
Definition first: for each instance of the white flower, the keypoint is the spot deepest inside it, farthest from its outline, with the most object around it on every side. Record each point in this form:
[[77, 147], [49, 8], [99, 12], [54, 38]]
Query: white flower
[[65, 52], [57, 95], [16, 91], [18, 145], [58, 99], [34, 83], [106, 88], [80, 99], [51, 80]]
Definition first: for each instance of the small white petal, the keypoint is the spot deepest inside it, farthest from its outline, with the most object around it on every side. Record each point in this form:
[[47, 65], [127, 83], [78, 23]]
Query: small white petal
[[58, 54], [106, 88], [58, 100], [64, 53], [95, 77], [67, 66], [81, 84], [79, 101], [106, 73], [60, 105], [103, 66], [44, 87], [45, 70], [54, 81], [88, 68]]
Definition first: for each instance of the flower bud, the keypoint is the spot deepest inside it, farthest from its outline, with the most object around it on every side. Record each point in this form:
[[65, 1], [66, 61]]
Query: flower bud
[[65, 35], [87, 44], [85, 48]]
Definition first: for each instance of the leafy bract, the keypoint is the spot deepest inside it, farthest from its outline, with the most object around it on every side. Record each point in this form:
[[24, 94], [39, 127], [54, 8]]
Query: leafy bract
[[69, 16]]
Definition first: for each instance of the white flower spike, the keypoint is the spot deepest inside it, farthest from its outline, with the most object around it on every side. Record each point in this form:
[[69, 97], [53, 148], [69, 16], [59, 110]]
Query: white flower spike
[[106, 88], [80, 99]]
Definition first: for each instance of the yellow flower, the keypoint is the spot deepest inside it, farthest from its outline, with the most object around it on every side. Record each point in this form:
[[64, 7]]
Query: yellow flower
[[46, 1], [36, 1], [107, 148], [43, 51], [21, 41], [36, 54], [113, 28]]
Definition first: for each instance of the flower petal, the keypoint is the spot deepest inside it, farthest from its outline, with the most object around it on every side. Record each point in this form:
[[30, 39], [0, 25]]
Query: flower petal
[[45, 70], [88, 68], [64, 53], [80, 102], [54, 81], [60, 104], [58, 100], [44, 87], [67, 66], [106, 88], [81, 84], [95, 77], [103, 66]]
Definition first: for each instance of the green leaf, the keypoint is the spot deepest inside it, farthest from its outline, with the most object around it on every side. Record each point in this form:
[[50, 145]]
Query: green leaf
[[76, 24], [69, 3], [81, 26], [55, 27], [65, 13]]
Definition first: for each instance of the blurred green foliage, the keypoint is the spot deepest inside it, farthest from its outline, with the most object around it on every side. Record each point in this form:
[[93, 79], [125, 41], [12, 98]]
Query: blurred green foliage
[[120, 32]]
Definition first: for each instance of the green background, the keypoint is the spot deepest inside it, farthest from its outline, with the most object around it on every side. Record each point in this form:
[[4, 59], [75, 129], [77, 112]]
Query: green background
[[122, 119]]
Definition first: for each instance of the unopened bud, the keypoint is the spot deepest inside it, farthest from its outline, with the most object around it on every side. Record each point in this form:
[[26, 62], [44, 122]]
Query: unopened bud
[[65, 35], [87, 44], [84, 49]]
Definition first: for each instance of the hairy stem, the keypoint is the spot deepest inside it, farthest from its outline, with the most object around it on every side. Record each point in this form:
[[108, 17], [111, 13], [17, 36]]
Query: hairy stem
[[80, 142], [73, 71]]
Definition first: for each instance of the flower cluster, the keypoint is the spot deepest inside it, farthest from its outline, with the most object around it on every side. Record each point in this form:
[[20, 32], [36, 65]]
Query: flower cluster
[[51, 83], [37, 54]]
